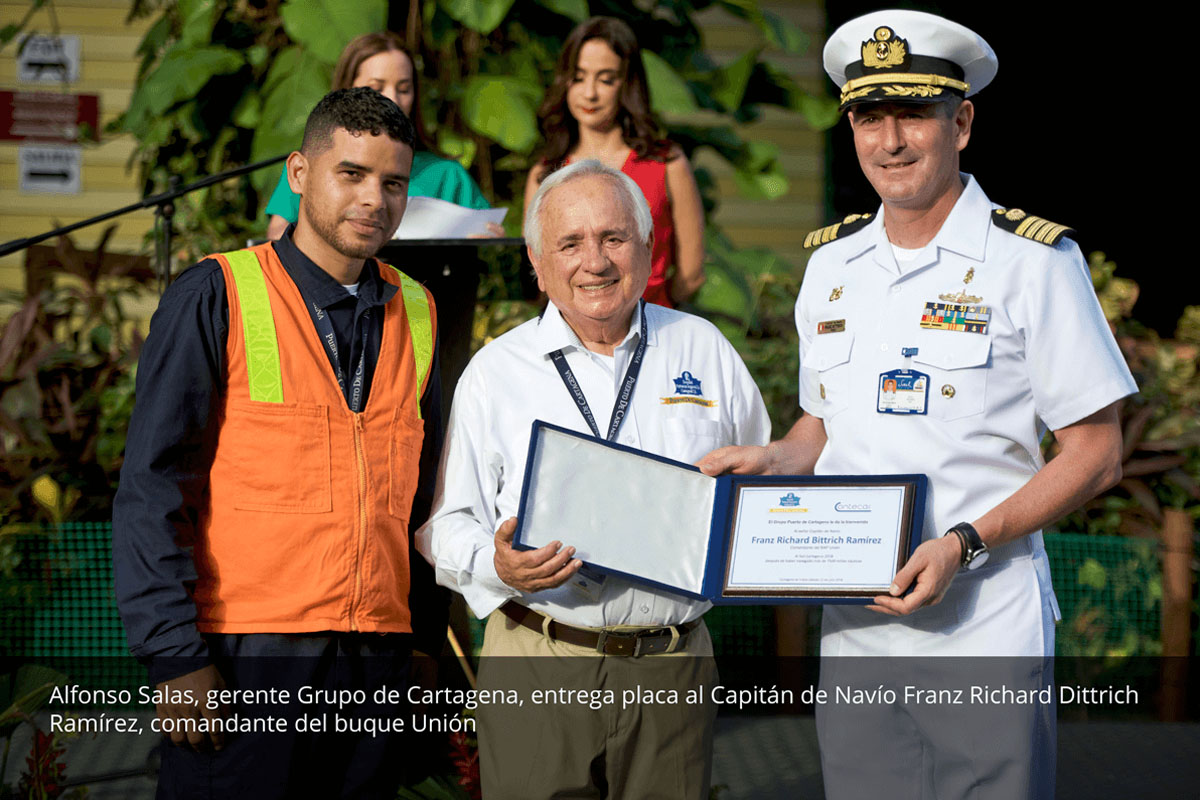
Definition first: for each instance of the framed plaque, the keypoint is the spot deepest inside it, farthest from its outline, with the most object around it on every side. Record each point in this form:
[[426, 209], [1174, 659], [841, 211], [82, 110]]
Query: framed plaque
[[735, 539]]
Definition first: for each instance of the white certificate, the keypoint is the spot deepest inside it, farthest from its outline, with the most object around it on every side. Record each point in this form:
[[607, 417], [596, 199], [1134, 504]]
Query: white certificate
[[842, 537], [732, 539]]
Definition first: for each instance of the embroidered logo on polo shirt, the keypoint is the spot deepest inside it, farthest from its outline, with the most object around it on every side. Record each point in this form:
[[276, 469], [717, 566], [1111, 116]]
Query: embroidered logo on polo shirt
[[687, 390]]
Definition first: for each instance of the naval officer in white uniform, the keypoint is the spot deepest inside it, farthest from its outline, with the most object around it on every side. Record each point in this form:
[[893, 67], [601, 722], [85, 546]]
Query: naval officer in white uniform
[[943, 334]]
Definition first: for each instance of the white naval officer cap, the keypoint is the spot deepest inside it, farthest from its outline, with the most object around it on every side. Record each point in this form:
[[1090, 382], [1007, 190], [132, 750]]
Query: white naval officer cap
[[907, 57]]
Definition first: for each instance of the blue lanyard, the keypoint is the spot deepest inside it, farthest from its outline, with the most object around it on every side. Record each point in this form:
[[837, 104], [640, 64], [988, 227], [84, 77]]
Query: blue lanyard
[[325, 331], [626, 394]]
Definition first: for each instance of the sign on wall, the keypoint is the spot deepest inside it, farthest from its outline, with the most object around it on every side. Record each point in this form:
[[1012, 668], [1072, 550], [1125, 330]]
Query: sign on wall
[[48, 59], [49, 170]]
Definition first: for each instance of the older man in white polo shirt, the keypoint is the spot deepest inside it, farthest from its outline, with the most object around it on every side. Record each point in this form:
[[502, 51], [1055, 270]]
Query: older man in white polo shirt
[[685, 390]]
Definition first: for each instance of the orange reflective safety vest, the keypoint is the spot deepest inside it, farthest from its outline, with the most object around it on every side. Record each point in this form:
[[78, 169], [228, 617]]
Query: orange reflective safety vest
[[306, 527]]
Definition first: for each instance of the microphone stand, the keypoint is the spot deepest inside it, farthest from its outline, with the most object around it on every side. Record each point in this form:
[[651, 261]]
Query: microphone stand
[[164, 205]]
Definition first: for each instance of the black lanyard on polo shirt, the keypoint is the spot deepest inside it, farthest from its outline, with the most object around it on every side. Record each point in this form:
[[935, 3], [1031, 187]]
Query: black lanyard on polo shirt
[[626, 394], [354, 398]]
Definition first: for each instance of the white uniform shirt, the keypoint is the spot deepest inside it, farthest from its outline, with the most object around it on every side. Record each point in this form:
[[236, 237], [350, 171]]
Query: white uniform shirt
[[511, 382], [1046, 360]]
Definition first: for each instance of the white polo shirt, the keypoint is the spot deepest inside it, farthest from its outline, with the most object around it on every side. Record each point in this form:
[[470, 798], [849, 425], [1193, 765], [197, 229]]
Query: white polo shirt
[[693, 395], [1046, 359]]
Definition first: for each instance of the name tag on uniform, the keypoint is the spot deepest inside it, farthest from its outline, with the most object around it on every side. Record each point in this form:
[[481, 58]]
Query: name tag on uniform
[[956, 317], [903, 391], [831, 326]]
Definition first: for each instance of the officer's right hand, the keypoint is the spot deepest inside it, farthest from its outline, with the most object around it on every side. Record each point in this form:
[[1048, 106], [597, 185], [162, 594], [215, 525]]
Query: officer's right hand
[[196, 685], [738, 460], [549, 566]]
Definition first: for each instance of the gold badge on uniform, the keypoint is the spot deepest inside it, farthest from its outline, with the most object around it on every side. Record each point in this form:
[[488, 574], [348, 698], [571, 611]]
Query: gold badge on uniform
[[831, 326], [836, 294], [962, 296]]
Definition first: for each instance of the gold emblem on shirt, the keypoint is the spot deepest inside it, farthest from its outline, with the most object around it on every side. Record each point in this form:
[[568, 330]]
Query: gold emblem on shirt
[[836, 294]]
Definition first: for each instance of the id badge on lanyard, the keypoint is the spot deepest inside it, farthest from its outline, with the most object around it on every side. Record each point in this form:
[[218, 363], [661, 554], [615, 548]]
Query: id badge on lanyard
[[903, 391]]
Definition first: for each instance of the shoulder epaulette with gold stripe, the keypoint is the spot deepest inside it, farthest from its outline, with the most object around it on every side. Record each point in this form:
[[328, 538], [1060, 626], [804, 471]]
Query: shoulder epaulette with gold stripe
[[830, 232], [1014, 220]]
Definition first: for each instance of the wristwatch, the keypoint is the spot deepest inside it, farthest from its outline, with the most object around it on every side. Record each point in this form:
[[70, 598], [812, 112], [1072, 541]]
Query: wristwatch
[[974, 551]]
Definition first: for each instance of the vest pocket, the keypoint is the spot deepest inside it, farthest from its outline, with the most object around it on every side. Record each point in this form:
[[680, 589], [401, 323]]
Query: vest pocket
[[404, 462], [278, 455]]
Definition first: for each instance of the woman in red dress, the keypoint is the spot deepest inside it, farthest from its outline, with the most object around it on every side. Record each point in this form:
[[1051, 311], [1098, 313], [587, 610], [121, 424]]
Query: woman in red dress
[[598, 107]]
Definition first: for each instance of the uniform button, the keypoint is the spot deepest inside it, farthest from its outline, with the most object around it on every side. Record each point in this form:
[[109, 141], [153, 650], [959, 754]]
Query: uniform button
[[947, 391], [883, 347], [645, 609], [895, 290]]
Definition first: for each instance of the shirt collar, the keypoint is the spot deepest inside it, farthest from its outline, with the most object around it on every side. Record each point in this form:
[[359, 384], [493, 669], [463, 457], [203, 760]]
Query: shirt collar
[[964, 231], [554, 333], [319, 287]]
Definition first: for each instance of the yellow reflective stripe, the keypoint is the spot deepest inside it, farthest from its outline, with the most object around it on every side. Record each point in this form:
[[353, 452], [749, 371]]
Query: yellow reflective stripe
[[420, 329], [258, 327]]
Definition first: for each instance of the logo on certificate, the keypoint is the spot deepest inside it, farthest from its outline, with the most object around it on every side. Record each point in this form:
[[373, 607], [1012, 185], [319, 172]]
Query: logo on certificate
[[789, 500], [687, 390]]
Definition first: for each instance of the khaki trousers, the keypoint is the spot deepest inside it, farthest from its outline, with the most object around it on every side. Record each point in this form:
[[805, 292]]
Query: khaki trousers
[[598, 731]]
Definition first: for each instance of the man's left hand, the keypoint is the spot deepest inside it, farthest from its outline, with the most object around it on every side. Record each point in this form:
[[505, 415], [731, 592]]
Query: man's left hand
[[933, 566]]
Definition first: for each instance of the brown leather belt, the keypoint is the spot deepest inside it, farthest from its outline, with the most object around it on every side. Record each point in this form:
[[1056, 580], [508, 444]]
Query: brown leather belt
[[644, 642]]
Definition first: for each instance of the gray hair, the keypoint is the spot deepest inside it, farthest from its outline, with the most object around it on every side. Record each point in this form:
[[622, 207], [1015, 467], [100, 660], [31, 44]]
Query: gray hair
[[634, 200]]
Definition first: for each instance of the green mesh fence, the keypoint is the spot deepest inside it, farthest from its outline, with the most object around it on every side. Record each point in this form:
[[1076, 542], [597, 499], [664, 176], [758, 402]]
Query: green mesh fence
[[57, 606], [1110, 592]]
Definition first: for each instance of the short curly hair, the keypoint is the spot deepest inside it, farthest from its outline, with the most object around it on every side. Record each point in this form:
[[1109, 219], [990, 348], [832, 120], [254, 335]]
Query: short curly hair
[[357, 111]]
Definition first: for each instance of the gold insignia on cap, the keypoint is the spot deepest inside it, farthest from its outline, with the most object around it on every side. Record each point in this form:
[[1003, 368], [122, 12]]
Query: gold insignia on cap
[[836, 294], [886, 50], [947, 391]]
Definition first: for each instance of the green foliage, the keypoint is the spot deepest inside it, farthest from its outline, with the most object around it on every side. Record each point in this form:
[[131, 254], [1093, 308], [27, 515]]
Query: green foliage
[[1110, 591], [23, 691], [67, 355], [223, 83], [1160, 424]]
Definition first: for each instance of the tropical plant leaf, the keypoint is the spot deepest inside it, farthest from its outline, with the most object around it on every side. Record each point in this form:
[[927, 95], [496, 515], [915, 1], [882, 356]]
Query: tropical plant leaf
[[181, 75], [1093, 574], [669, 93], [481, 16], [729, 82], [198, 17], [296, 82], [504, 110], [324, 27], [574, 9], [23, 692]]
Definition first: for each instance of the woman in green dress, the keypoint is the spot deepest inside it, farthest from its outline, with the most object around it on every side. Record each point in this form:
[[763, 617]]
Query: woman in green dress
[[382, 62]]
